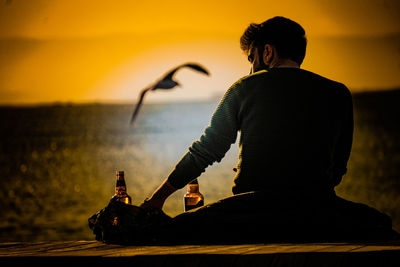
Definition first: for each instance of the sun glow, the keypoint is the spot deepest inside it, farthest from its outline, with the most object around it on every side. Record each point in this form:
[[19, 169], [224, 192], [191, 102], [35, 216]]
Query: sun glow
[[222, 58]]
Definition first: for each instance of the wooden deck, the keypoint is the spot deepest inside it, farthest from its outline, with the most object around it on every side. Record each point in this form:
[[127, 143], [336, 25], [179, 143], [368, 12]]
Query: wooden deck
[[100, 254]]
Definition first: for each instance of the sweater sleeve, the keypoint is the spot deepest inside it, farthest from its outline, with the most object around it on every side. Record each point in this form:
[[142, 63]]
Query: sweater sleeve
[[344, 142], [213, 144]]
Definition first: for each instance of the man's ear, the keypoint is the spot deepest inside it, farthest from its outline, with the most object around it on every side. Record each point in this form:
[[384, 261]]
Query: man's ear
[[269, 54]]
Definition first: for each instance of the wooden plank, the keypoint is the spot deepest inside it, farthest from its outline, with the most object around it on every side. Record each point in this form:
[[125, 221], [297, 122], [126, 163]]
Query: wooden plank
[[184, 250], [153, 250], [97, 253], [338, 248], [94, 248], [376, 248], [291, 248], [100, 254], [288, 248], [51, 248]]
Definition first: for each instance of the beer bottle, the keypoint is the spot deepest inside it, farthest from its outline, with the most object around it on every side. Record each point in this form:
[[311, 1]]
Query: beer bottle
[[193, 198], [120, 189]]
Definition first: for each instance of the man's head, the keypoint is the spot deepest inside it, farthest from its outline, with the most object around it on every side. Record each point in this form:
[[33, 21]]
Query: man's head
[[272, 41]]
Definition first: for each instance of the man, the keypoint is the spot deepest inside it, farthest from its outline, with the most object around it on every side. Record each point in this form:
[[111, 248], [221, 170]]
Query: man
[[296, 132]]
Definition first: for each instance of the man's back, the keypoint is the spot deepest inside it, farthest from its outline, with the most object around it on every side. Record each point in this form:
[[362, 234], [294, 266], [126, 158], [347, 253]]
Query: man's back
[[296, 132]]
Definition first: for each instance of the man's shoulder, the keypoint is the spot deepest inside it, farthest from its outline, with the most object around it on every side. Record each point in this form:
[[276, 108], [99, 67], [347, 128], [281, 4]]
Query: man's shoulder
[[239, 85], [254, 76], [332, 87], [323, 79], [249, 79]]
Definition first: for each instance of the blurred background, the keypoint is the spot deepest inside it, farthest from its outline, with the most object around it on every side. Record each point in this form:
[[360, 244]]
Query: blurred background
[[71, 71]]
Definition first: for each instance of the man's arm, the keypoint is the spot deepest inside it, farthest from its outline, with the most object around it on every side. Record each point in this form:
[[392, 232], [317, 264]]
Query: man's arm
[[211, 147], [159, 196]]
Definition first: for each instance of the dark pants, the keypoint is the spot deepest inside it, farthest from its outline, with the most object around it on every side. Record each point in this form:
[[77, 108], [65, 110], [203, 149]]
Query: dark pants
[[267, 217]]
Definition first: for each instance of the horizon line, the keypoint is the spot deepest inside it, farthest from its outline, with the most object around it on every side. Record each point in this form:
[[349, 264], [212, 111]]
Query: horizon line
[[151, 102]]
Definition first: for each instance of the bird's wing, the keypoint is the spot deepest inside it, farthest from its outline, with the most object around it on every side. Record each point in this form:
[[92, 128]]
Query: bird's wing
[[193, 66], [196, 67], [139, 103]]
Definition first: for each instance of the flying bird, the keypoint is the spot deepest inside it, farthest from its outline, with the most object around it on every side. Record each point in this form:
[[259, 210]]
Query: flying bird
[[166, 82]]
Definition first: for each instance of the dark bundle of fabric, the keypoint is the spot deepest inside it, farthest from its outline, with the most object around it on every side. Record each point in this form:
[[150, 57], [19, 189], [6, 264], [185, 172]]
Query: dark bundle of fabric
[[119, 223]]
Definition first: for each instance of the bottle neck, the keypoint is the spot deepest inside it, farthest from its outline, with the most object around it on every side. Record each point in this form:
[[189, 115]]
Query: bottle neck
[[120, 182], [120, 179], [193, 188]]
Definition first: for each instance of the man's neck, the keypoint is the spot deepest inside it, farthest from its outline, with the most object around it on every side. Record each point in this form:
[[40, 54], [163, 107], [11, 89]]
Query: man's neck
[[284, 63]]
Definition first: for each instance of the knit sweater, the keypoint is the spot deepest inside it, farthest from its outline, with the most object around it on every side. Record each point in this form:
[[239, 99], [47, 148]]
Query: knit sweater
[[295, 129]]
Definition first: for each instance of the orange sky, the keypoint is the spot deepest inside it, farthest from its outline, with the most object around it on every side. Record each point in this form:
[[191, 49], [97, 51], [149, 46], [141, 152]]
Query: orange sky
[[86, 50]]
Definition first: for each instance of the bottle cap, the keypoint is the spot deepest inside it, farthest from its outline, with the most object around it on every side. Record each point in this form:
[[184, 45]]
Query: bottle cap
[[120, 173], [194, 182]]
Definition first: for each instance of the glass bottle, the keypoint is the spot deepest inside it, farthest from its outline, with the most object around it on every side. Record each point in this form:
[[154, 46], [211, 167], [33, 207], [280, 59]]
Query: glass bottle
[[120, 189], [193, 198]]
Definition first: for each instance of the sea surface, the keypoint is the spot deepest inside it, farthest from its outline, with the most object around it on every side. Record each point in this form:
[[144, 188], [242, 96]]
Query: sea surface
[[58, 162]]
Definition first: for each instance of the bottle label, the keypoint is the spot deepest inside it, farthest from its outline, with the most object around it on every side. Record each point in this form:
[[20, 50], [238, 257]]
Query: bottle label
[[192, 203], [192, 200], [120, 191], [124, 199], [121, 183]]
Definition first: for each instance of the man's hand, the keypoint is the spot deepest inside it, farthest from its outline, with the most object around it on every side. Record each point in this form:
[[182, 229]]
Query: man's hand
[[157, 199], [150, 203]]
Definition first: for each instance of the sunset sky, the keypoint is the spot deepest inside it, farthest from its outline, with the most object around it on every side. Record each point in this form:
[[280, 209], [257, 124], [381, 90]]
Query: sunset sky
[[106, 51]]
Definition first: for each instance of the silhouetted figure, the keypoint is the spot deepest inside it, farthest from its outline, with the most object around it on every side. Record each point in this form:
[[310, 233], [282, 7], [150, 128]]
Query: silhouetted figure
[[166, 82], [296, 131]]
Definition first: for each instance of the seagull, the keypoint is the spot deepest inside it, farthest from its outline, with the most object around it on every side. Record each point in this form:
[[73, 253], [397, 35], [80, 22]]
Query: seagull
[[166, 82]]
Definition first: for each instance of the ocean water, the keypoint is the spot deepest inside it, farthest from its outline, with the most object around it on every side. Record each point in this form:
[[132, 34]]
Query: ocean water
[[58, 162]]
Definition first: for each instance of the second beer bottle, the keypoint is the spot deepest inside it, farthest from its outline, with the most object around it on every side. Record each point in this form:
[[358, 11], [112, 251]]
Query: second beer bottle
[[193, 198]]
